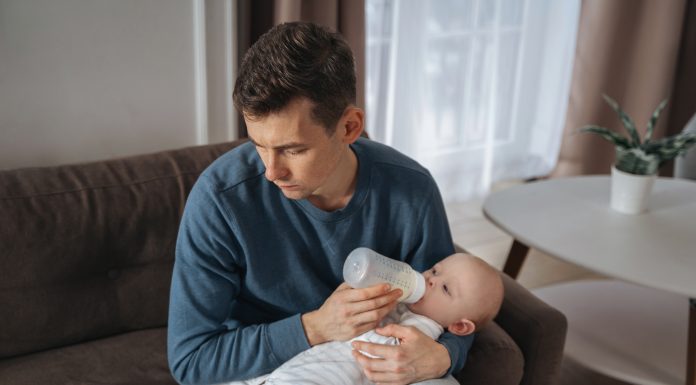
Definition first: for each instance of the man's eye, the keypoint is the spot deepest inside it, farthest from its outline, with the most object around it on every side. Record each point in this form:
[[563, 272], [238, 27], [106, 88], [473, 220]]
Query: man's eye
[[294, 152]]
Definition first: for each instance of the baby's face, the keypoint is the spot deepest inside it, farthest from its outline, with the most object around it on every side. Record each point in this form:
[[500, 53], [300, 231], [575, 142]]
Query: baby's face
[[447, 290]]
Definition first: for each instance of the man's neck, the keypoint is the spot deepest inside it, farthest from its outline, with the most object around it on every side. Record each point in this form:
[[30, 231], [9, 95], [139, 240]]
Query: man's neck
[[344, 179]]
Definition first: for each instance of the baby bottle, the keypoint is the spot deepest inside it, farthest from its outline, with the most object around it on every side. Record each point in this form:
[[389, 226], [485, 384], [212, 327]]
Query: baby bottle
[[365, 267]]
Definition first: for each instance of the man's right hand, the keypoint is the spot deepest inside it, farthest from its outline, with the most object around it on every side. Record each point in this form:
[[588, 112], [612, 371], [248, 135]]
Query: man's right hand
[[349, 312]]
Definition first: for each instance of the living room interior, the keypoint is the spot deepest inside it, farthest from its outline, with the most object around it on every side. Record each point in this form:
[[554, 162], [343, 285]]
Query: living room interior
[[113, 98]]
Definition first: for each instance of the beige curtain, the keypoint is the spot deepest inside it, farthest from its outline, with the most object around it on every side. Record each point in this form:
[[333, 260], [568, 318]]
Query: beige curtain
[[344, 16], [638, 52]]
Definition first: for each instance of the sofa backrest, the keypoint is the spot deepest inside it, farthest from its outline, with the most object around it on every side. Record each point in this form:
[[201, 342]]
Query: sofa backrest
[[87, 250]]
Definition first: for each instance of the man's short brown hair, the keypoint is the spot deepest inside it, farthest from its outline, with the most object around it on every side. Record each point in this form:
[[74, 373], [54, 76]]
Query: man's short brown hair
[[294, 60]]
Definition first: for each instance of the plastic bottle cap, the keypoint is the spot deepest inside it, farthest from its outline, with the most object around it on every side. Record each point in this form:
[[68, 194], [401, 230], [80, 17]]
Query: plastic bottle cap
[[418, 291]]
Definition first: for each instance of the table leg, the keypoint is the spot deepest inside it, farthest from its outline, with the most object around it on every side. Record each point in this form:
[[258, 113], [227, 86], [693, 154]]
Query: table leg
[[515, 259], [691, 350]]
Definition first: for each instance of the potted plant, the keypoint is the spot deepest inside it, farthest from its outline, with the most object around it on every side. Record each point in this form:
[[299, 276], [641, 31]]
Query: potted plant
[[637, 161]]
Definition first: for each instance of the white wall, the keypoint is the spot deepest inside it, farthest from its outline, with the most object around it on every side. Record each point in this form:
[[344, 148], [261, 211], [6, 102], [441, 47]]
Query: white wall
[[83, 80]]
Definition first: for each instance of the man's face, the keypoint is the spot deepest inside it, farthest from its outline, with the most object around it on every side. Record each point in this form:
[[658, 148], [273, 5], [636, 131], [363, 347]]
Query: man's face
[[300, 157]]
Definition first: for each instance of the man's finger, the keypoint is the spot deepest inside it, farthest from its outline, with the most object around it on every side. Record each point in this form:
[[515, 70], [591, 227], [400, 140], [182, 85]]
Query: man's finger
[[394, 330], [380, 350], [379, 370], [357, 295], [343, 286], [372, 364], [387, 378], [372, 317], [377, 302]]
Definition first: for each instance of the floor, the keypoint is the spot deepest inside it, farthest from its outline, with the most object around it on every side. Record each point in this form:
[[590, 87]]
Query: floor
[[474, 233]]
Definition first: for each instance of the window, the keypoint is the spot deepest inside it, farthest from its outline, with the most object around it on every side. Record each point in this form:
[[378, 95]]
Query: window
[[474, 90]]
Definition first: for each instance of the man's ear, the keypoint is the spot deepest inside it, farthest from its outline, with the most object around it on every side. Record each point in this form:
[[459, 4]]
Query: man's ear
[[351, 124], [462, 327]]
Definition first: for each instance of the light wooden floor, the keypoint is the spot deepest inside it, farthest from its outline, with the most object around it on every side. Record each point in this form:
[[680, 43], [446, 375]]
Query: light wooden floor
[[478, 236]]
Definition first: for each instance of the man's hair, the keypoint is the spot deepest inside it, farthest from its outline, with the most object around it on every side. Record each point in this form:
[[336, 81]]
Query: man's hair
[[294, 60]]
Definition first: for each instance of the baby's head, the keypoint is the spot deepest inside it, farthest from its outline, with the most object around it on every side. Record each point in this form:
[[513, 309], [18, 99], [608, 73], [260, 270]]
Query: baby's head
[[462, 293]]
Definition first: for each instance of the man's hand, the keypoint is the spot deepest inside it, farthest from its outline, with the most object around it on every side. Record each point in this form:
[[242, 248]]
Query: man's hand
[[417, 358], [349, 312]]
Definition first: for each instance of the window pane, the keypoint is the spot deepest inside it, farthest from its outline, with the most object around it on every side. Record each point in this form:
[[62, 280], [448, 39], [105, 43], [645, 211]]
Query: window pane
[[479, 89], [486, 13], [378, 23], [446, 16], [445, 78], [511, 12], [506, 78]]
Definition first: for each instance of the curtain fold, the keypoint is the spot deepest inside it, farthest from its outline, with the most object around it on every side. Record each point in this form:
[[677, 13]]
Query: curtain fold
[[475, 91], [684, 93], [344, 16], [639, 52]]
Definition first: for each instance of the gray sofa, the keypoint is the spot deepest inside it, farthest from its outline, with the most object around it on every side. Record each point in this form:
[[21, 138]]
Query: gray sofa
[[86, 254]]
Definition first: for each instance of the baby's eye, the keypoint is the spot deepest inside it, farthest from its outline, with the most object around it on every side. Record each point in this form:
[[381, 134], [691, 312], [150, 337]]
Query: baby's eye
[[444, 287], [434, 271]]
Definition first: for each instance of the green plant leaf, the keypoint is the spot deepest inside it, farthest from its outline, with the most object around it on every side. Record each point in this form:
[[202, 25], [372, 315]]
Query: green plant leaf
[[625, 120], [636, 161], [669, 148], [608, 134], [653, 120]]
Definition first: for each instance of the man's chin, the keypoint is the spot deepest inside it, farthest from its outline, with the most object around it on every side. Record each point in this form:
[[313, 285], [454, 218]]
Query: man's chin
[[294, 194]]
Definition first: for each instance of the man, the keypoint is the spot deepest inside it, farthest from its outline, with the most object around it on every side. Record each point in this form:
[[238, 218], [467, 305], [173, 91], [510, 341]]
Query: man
[[268, 225]]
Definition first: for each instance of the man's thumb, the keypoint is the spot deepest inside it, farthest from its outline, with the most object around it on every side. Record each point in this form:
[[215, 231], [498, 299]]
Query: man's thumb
[[393, 330], [343, 286]]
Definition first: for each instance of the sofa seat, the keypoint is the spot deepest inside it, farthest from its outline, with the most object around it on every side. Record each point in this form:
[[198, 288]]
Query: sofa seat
[[132, 358]]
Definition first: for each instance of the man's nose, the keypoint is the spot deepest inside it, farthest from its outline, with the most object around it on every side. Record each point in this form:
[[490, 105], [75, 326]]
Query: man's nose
[[275, 169]]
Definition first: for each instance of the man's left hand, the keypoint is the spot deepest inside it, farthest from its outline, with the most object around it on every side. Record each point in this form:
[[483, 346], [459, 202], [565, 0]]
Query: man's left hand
[[417, 358]]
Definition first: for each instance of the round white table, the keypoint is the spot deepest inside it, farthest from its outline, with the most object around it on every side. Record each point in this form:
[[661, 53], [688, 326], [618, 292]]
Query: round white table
[[570, 218]]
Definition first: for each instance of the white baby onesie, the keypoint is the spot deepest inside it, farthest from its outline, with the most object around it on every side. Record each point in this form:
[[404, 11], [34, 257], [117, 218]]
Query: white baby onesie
[[331, 363]]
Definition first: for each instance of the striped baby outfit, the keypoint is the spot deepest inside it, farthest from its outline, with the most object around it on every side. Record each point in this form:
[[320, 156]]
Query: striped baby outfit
[[331, 363]]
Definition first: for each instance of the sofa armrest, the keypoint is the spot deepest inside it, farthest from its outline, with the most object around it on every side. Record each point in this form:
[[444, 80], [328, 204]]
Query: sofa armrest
[[538, 329], [494, 358]]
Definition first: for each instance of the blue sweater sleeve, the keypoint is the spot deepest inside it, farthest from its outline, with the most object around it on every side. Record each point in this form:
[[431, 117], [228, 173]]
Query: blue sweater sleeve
[[204, 345]]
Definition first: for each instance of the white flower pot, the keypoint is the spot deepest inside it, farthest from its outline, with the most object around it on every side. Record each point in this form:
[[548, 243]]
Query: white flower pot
[[630, 192]]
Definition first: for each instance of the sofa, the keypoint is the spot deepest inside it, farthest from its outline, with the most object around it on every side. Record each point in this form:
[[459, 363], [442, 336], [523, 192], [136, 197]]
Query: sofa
[[86, 255]]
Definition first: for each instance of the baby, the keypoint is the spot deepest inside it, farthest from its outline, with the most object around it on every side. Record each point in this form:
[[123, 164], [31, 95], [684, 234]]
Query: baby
[[463, 294]]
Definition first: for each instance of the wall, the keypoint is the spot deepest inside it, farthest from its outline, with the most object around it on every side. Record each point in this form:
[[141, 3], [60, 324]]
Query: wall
[[83, 80]]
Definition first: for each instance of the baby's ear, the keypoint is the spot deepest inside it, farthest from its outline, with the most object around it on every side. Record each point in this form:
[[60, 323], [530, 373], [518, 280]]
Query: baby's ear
[[462, 327]]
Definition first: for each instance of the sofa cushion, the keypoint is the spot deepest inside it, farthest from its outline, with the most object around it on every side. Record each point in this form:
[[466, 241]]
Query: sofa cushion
[[494, 358], [87, 250], [137, 358]]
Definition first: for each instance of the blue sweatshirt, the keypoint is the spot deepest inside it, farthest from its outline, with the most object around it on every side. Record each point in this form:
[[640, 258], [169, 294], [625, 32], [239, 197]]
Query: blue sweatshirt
[[250, 261]]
